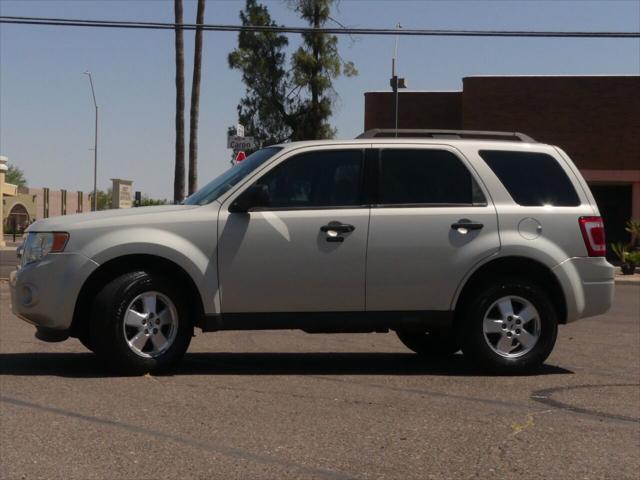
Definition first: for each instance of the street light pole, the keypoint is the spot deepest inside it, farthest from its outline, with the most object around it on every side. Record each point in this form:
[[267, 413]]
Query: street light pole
[[95, 147]]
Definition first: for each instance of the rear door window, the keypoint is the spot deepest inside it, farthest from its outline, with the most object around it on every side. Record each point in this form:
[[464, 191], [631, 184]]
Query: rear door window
[[425, 177], [532, 179]]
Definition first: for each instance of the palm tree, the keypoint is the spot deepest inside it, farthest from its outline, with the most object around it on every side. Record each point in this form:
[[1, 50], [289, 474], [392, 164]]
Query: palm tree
[[178, 181], [195, 102]]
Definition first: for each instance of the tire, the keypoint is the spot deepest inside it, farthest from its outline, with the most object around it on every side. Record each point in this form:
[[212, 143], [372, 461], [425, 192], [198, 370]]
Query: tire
[[140, 324], [502, 343], [430, 344], [85, 340]]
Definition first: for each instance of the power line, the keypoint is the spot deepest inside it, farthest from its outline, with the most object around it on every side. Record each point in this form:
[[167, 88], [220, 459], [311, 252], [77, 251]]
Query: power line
[[70, 22]]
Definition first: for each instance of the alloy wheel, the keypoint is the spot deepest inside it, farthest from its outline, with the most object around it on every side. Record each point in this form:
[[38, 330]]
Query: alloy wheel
[[511, 326]]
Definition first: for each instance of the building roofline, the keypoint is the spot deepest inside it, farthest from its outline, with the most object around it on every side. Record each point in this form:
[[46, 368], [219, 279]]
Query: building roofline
[[409, 90], [597, 75]]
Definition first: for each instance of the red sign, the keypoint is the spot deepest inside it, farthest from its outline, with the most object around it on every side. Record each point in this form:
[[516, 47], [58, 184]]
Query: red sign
[[240, 156]]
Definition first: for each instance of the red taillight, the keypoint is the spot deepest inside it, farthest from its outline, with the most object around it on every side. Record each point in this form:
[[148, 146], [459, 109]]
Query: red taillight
[[593, 235]]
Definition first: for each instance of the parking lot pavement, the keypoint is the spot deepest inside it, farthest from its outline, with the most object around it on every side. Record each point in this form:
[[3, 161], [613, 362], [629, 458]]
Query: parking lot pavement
[[8, 261], [291, 405]]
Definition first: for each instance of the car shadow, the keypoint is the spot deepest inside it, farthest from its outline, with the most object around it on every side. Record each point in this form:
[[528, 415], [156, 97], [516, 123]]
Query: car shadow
[[87, 365]]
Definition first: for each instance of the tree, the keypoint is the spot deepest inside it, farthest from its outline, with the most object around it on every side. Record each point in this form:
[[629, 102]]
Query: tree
[[178, 180], [104, 199], [145, 201], [195, 102], [315, 64], [265, 109], [288, 101], [15, 176]]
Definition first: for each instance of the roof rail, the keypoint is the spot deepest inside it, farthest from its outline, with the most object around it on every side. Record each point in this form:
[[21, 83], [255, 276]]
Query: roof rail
[[420, 133]]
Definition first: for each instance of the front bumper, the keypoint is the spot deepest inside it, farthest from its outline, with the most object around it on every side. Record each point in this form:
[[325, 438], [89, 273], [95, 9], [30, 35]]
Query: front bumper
[[588, 284], [44, 293]]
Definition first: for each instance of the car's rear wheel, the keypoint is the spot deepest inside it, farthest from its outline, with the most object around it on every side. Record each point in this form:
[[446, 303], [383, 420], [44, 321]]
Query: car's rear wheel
[[509, 326], [140, 324], [430, 344]]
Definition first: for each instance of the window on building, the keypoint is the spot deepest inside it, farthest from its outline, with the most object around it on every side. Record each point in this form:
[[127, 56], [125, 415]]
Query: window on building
[[532, 179], [425, 177], [315, 180]]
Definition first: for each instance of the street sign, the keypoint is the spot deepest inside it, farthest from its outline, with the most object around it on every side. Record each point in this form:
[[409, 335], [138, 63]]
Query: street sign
[[236, 142], [240, 130], [241, 156]]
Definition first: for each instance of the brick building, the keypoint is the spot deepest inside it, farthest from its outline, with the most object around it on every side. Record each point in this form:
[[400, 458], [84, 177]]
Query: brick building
[[595, 119]]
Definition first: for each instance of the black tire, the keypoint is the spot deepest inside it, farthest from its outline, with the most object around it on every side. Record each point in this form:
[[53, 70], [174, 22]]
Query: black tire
[[107, 328], [85, 340], [430, 344], [470, 326]]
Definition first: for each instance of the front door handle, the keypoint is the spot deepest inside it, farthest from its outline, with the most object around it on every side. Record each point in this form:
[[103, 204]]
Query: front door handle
[[337, 227], [467, 225]]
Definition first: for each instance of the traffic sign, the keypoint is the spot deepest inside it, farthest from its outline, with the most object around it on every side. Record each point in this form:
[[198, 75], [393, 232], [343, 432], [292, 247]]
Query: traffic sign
[[241, 143], [240, 156]]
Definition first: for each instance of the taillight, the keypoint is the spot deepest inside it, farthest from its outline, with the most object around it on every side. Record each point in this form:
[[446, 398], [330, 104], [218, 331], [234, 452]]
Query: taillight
[[593, 235]]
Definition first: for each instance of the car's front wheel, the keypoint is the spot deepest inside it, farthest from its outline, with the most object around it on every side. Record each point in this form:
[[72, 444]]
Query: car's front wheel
[[140, 323], [509, 326]]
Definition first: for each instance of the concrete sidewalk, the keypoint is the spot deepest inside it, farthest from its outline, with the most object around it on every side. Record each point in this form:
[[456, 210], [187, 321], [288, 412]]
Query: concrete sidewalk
[[627, 279]]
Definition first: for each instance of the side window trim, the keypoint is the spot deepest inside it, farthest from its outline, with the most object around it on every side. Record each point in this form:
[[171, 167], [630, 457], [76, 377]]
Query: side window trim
[[376, 182]]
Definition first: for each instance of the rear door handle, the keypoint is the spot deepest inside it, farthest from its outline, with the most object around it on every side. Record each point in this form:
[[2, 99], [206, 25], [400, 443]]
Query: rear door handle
[[466, 224]]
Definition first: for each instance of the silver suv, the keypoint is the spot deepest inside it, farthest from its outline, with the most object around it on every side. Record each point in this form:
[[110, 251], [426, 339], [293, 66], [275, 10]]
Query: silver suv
[[479, 241]]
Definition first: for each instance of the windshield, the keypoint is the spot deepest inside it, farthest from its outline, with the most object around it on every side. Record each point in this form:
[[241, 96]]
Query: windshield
[[231, 177]]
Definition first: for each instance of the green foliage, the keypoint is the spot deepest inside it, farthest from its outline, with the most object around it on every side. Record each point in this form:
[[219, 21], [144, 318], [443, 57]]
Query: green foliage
[[288, 101], [633, 257], [15, 176], [145, 201], [621, 251], [633, 227], [104, 199], [265, 111]]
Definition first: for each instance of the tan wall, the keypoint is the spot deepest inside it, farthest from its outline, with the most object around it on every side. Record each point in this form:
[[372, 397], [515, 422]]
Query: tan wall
[[33, 199], [24, 199]]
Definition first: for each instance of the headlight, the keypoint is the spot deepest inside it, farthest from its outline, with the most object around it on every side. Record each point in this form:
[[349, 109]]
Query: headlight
[[39, 244]]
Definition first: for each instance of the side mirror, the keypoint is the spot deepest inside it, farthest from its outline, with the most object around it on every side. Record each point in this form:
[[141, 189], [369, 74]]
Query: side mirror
[[255, 196]]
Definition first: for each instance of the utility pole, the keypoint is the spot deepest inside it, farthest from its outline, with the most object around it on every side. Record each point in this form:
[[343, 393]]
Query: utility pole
[[396, 82], [95, 147]]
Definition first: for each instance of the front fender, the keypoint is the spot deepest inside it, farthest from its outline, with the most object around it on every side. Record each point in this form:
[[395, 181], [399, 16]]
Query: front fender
[[197, 261]]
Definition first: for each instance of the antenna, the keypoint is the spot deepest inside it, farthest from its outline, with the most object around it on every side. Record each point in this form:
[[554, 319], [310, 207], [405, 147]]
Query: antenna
[[394, 79]]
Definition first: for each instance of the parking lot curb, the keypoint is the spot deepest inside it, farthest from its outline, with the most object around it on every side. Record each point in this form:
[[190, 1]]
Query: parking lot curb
[[628, 281]]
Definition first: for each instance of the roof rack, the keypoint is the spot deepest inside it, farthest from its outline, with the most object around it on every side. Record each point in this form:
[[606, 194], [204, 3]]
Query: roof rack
[[468, 134]]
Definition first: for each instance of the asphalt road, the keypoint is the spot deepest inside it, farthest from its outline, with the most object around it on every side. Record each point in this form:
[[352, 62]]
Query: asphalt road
[[290, 405], [8, 262]]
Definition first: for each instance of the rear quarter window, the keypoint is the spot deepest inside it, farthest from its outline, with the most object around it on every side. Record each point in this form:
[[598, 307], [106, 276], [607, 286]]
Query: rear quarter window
[[532, 179]]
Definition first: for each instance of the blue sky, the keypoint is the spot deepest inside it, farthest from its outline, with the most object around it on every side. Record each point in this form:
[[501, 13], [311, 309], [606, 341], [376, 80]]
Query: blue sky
[[46, 113]]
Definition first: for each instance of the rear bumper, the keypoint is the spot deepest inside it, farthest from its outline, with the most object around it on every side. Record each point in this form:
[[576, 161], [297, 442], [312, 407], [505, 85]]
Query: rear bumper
[[588, 284]]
